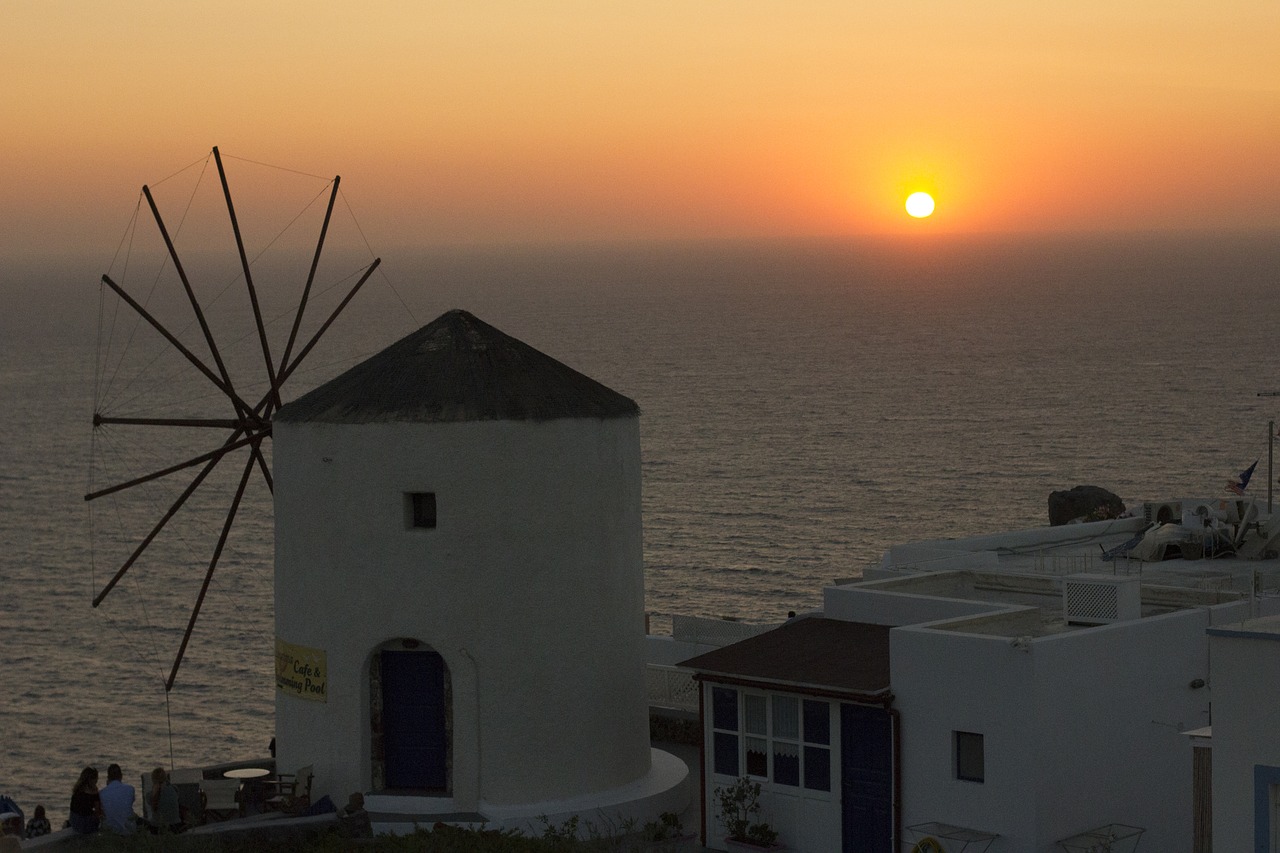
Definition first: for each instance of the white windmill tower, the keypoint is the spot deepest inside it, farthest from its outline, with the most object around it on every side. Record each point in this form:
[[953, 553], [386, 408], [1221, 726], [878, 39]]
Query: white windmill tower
[[459, 584]]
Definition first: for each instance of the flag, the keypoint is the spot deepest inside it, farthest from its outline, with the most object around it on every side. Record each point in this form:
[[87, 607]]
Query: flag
[[1241, 482]]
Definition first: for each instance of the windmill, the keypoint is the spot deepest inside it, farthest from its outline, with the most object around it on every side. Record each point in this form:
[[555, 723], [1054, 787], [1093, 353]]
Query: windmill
[[225, 421]]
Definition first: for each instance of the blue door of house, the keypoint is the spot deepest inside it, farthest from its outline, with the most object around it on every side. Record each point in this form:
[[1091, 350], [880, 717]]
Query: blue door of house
[[866, 779], [413, 719]]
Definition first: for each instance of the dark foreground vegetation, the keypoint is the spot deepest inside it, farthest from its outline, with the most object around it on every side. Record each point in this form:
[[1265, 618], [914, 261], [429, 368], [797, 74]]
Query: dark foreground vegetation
[[665, 836]]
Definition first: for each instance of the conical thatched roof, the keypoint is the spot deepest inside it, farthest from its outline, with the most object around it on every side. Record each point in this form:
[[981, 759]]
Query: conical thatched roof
[[458, 368]]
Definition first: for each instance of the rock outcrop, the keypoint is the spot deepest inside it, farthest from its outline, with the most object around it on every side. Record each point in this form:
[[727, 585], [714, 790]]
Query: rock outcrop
[[1088, 503]]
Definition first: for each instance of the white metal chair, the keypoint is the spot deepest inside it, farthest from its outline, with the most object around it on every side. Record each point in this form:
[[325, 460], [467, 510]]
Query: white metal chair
[[144, 792], [221, 798], [292, 790], [188, 780]]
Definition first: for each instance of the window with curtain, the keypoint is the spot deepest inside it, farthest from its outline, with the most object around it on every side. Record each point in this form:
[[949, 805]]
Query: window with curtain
[[774, 737]]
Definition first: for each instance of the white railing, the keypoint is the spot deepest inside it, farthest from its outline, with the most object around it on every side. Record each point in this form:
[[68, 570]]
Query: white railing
[[1067, 564], [713, 632], [671, 687]]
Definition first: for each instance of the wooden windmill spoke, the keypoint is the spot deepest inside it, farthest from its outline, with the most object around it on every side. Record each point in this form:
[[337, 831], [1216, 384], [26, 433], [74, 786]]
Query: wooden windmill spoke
[[311, 276], [155, 531], [222, 384], [220, 423], [248, 278], [288, 371], [195, 303], [263, 466], [211, 459], [247, 426], [208, 576], [211, 456]]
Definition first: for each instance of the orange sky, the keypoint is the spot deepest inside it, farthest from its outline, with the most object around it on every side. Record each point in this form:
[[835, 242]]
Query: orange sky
[[491, 122]]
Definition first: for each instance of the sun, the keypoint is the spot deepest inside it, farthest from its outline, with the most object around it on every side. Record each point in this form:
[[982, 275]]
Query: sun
[[920, 205]]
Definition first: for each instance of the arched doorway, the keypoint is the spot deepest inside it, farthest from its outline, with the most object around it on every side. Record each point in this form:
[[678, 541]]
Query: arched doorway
[[411, 719]]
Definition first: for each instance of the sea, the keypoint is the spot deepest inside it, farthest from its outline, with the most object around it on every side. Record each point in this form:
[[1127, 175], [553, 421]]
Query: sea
[[805, 405]]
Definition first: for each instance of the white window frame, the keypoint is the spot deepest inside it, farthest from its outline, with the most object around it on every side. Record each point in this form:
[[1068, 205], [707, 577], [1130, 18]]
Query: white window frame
[[770, 738]]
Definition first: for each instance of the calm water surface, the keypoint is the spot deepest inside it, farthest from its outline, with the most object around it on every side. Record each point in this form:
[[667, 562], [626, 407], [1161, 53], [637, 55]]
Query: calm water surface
[[804, 407]]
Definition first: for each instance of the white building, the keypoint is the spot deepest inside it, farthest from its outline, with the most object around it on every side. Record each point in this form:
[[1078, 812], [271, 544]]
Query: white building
[[459, 586], [1035, 698], [806, 710], [1246, 735]]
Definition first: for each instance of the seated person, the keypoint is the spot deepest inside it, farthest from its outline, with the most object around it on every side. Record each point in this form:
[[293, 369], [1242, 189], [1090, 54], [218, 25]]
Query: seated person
[[165, 816], [117, 803], [86, 805], [38, 825]]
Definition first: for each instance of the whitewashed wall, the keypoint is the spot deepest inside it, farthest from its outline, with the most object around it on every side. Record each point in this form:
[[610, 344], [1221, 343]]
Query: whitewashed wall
[[1246, 719], [1080, 729], [944, 682], [531, 588]]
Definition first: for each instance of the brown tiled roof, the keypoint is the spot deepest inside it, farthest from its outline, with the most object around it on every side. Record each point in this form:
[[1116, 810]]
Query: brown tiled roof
[[458, 368], [807, 652]]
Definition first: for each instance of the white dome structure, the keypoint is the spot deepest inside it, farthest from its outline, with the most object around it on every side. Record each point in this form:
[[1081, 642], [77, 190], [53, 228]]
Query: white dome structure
[[459, 583]]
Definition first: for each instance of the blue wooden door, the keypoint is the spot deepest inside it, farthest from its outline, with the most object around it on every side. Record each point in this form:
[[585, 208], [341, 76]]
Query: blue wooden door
[[866, 779], [413, 720]]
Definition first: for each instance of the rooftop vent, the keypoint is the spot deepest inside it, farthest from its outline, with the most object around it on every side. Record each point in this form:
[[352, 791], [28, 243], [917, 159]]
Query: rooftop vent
[[1100, 599]]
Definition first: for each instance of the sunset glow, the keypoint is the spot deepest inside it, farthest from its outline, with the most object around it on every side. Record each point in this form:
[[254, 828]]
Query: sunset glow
[[510, 122]]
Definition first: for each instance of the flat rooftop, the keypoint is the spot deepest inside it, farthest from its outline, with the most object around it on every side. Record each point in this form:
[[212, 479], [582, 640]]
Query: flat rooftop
[[1263, 628], [1015, 580], [1037, 597]]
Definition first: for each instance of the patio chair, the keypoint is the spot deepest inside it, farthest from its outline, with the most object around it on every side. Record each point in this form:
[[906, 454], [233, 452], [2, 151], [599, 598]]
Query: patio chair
[[290, 792], [144, 794], [187, 780], [220, 798]]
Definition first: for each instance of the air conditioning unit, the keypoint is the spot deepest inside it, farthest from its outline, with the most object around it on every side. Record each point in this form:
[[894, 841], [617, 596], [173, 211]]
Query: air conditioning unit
[[1201, 511], [1100, 599], [1162, 512]]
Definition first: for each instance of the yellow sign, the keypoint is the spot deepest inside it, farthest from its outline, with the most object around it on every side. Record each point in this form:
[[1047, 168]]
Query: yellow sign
[[301, 671]]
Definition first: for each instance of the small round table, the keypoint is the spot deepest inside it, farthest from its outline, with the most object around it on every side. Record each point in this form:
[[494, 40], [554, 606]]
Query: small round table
[[247, 773], [251, 790]]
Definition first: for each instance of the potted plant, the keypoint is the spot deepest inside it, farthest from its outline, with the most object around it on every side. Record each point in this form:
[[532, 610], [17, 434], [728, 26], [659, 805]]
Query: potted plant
[[739, 805]]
